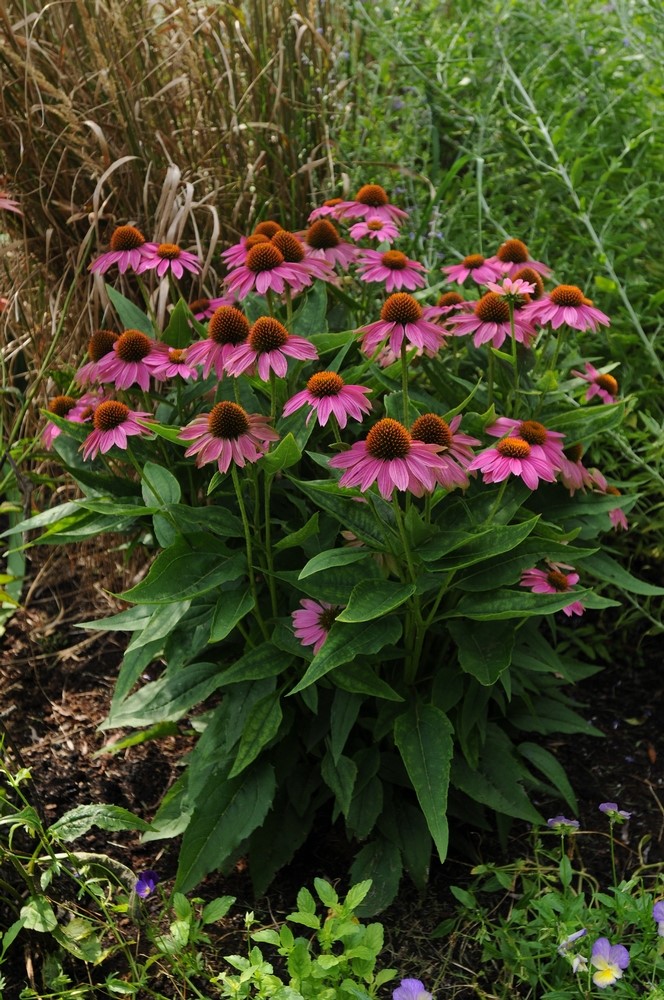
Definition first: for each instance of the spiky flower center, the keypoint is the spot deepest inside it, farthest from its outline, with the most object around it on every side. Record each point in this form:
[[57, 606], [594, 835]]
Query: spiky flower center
[[327, 618], [558, 581], [267, 228], [199, 306], [127, 238], [573, 453], [227, 420], [100, 344], [395, 260], [401, 308], [513, 252], [228, 326], [255, 239], [264, 257], [532, 432], [388, 439], [492, 308], [169, 251], [527, 274], [613, 491], [133, 346], [376, 225], [289, 245], [608, 383], [110, 415], [325, 384], [267, 334], [61, 405], [449, 299], [331, 202], [176, 356], [473, 261], [322, 235], [432, 429], [513, 447], [567, 295], [373, 195]]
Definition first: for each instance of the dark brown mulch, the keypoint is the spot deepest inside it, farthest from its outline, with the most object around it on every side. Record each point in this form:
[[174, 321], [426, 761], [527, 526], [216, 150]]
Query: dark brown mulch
[[55, 686]]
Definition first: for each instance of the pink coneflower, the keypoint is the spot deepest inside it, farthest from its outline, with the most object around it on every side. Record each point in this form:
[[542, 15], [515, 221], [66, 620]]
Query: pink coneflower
[[61, 406], [127, 249], [168, 362], [490, 322], [313, 621], [227, 329], [268, 348], [566, 304], [113, 423], [532, 277], [402, 316], [370, 201], [126, 364], [513, 255], [543, 442], [476, 266], [265, 269], [393, 267], [513, 456], [237, 254], [617, 516], [600, 384], [205, 308], [326, 393], [100, 344], [323, 240], [9, 204], [512, 288], [391, 458], [228, 434], [169, 258], [573, 473], [328, 207], [294, 252], [455, 449], [553, 581], [373, 228], [267, 228]]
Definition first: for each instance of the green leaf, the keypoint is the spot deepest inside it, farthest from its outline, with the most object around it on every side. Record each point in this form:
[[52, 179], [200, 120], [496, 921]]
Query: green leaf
[[310, 317], [159, 487], [423, 736], [226, 813], [343, 716], [361, 679], [545, 762], [216, 909], [77, 822], [260, 728], [345, 642], [187, 568], [286, 454], [380, 863], [262, 662], [178, 331], [585, 422], [156, 732], [340, 776], [357, 893], [232, 606], [375, 598], [507, 568], [340, 503], [332, 557], [602, 566], [513, 604], [168, 698], [294, 538], [131, 317], [485, 648], [480, 546], [132, 620], [37, 915]]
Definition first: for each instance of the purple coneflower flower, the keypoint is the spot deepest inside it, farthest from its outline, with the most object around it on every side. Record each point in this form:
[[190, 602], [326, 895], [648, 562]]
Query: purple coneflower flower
[[323, 240], [326, 394], [126, 363], [169, 258], [410, 989], [600, 384], [227, 329], [295, 254], [573, 473], [9, 204], [490, 322], [615, 814], [402, 316], [128, 249], [514, 288], [237, 254], [617, 516], [328, 207], [265, 269], [566, 304], [113, 423], [391, 458], [373, 228], [658, 915], [543, 443], [100, 344], [562, 824], [475, 266], [313, 621], [513, 456], [553, 581], [205, 308], [268, 348], [370, 201], [455, 449], [393, 267], [168, 362], [79, 411], [146, 883], [513, 255], [228, 434], [609, 960]]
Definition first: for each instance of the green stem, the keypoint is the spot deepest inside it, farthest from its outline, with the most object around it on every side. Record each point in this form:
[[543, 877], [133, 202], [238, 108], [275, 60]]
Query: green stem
[[413, 626], [272, 584], [153, 489], [335, 429], [491, 375], [248, 544], [515, 360], [273, 397], [404, 381], [289, 310]]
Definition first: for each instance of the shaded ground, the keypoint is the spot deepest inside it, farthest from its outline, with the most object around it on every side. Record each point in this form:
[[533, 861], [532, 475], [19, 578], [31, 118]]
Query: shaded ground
[[55, 685]]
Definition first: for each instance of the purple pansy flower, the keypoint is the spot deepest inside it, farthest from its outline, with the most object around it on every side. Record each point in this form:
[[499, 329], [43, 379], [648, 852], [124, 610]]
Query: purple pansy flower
[[145, 883], [411, 989]]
